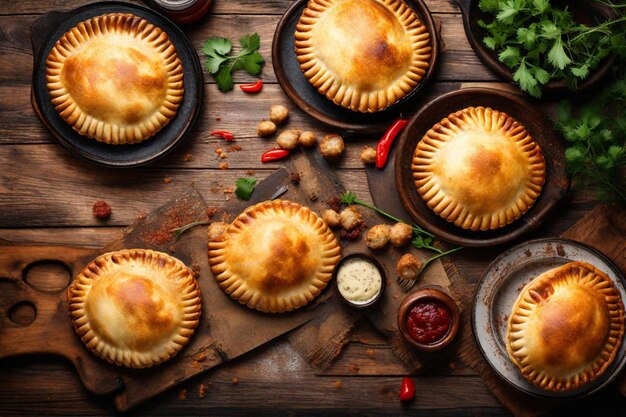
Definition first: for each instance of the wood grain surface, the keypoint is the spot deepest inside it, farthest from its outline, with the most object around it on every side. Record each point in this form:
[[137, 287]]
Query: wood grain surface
[[46, 196]]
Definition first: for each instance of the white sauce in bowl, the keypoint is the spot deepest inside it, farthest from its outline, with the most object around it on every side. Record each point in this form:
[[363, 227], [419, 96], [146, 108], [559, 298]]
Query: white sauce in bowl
[[358, 280]]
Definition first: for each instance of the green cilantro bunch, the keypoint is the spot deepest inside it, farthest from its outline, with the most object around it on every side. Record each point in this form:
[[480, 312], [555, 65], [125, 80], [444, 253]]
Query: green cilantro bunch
[[596, 141], [220, 63], [540, 42]]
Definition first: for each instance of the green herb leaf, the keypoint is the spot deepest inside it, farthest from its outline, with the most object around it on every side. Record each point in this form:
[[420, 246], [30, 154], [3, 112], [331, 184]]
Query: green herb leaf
[[510, 56], [224, 80], [557, 55], [217, 46], [523, 76], [252, 63], [245, 187]]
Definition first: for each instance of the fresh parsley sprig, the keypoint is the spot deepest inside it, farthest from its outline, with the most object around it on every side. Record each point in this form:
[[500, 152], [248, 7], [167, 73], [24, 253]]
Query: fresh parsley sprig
[[422, 238], [245, 187], [540, 42], [221, 64]]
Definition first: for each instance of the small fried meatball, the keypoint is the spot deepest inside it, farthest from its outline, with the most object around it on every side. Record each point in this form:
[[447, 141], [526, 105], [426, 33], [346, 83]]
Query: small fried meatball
[[265, 128], [288, 139], [279, 113], [368, 155], [332, 146], [409, 267], [378, 236], [332, 218], [216, 229], [350, 218], [307, 139], [400, 234]]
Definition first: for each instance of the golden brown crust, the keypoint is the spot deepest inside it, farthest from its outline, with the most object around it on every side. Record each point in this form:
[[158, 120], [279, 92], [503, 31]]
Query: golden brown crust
[[135, 308], [478, 168], [116, 78], [364, 55], [276, 256], [566, 327]]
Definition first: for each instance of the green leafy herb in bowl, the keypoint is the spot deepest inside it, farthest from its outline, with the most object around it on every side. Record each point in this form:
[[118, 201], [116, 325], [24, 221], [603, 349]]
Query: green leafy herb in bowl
[[541, 42]]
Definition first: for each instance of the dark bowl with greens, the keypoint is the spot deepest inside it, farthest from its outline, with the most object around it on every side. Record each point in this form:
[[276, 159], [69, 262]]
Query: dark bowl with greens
[[545, 46]]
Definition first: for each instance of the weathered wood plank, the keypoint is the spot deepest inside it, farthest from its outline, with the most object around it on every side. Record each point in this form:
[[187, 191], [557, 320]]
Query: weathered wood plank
[[235, 111], [36, 387], [457, 60], [219, 6], [61, 191]]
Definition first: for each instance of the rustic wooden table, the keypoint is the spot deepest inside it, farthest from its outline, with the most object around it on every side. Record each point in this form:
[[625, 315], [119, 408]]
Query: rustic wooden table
[[46, 195]]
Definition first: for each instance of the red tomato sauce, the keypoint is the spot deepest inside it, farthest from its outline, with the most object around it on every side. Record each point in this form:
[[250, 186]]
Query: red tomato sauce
[[428, 321]]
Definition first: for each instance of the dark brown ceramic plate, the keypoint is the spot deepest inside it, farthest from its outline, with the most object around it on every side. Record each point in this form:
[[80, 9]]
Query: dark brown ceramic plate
[[583, 11], [316, 105], [51, 26], [540, 128]]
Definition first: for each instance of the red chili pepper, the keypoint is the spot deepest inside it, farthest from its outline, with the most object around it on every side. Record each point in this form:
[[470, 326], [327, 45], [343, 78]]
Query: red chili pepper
[[252, 88], [225, 134], [407, 390], [384, 145], [274, 155]]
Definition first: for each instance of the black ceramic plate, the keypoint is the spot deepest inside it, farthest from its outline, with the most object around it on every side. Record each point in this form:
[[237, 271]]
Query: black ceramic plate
[[540, 128], [50, 27], [316, 105]]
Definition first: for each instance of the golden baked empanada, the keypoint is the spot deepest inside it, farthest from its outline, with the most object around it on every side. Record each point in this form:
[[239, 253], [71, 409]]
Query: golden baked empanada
[[116, 78], [364, 55], [479, 169], [135, 308], [566, 327], [276, 256]]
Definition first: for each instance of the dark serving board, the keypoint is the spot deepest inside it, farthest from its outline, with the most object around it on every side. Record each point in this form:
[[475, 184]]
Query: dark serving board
[[45, 32], [584, 11], [316, 105], [554, 191]]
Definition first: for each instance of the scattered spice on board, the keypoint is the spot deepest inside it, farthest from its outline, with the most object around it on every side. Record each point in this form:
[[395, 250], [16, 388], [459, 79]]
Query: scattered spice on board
[[234, 148], [101, 210], [250, 172], [312, 196], [170, 219]]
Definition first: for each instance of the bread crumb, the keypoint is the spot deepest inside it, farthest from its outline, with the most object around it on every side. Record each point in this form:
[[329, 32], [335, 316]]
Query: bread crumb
[[201, 390], [229, 190], [371, 353], [187, 157], [354, 368], [337, 384], [234, 380], [182, 394], [251, 173], [223, 166], [201, 357]]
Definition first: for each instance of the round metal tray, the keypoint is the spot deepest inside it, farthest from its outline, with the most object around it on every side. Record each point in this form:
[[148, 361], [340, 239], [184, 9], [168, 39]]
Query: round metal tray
[[499, 288], [50, 27]]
